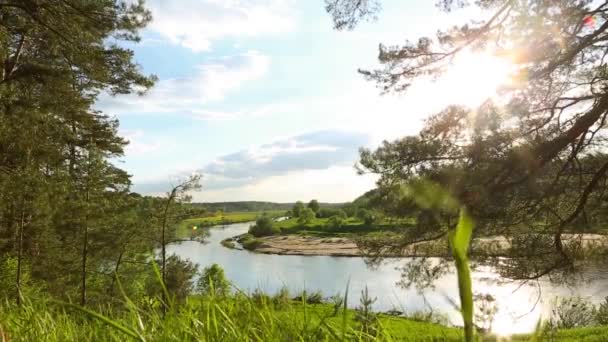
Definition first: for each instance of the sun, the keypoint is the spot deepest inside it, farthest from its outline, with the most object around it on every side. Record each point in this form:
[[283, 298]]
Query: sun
[[474, 77]]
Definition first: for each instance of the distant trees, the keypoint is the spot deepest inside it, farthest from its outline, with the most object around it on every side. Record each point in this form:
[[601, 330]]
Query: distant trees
[[329, 212], [264, 226], [306, 216], [335, 222], [297, 208], [313, 205], [368, 217]]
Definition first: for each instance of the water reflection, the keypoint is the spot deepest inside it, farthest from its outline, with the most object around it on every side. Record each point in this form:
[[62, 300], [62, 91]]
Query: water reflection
[[519, 306]]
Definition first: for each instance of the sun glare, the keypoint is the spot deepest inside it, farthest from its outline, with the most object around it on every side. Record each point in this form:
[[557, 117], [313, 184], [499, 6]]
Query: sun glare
[[474, 77]]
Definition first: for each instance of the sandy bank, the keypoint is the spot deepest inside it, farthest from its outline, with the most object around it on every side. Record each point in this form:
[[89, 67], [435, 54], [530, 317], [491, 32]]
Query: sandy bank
[[340, 246]]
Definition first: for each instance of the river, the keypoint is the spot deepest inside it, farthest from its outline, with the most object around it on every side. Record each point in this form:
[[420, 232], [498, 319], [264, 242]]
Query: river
[[517, 312]]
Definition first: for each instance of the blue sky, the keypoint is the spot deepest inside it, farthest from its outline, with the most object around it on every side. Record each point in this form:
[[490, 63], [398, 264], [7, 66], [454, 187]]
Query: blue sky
[[262, 97]]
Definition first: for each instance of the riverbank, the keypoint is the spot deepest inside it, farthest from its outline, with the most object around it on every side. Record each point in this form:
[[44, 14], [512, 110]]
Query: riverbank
[[184, 229], [301, 244]]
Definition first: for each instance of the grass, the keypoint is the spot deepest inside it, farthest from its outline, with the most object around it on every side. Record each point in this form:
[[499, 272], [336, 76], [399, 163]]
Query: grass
[[185, 227], [236, 318], [352, 226]]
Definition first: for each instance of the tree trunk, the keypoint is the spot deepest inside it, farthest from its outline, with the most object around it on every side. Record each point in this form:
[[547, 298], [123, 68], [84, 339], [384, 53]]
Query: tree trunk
[[164, 247], [20, 253], [83, 288], [85, 238], [111, 287]]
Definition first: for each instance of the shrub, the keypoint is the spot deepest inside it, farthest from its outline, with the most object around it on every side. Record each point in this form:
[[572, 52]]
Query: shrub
[[228, 243], [251, 244], [179, 278], [260, 297], [364, 314], [573, 312], [337, 302], [314, 205], [297, 209], [329, 212], [367, 216], [427, 316], [335, 222], [306, 216], [264, 226], [310, 298], [281, 299], [213, 281], [601, 315], [8, 268]]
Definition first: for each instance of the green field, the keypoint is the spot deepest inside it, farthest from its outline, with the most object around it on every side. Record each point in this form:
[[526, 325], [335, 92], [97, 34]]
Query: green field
[[185, 226], [352, 226]]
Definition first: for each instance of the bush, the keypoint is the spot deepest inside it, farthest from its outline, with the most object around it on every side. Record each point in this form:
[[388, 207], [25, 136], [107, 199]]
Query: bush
[[179, 278], [601, 315], [213, 281], [260, 297], [364, 314], [264, 226], [314, 205], [297, 209], [367, 216], [574, 312], [282, 298], [248, 241], [335, 222], [337, 302], [8, 270], [228, 243], [310, 298], [251, 244], [306, 216], [329, 212]]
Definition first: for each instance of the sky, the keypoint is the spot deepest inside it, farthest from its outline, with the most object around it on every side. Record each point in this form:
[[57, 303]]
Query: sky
[[263, 98]]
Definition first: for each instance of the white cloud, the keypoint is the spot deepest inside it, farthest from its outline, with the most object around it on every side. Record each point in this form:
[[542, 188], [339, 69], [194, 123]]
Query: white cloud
[[311, 151], [247, 169], [211, 82], [334, 184], [195, 24], [136, 144]]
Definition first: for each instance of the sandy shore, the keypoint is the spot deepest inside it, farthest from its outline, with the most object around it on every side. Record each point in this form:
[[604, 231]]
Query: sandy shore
[[338, 246], [307, 245]]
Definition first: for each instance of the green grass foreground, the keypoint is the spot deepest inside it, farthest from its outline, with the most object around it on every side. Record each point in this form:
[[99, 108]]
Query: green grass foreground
[[240, 318], [184, 228]]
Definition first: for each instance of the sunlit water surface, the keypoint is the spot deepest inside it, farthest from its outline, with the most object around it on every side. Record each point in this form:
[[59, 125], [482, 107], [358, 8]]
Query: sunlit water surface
[[517, 312]]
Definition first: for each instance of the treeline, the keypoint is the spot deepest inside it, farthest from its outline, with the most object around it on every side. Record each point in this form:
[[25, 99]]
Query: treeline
[[69, 224], [252, 206]]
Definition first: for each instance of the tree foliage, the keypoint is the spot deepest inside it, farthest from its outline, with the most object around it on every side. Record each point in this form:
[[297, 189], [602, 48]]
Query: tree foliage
[[530, 161], [68, 220], [313, 205], [297, 209], [306, 216], [264, 226], [213, 281]]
